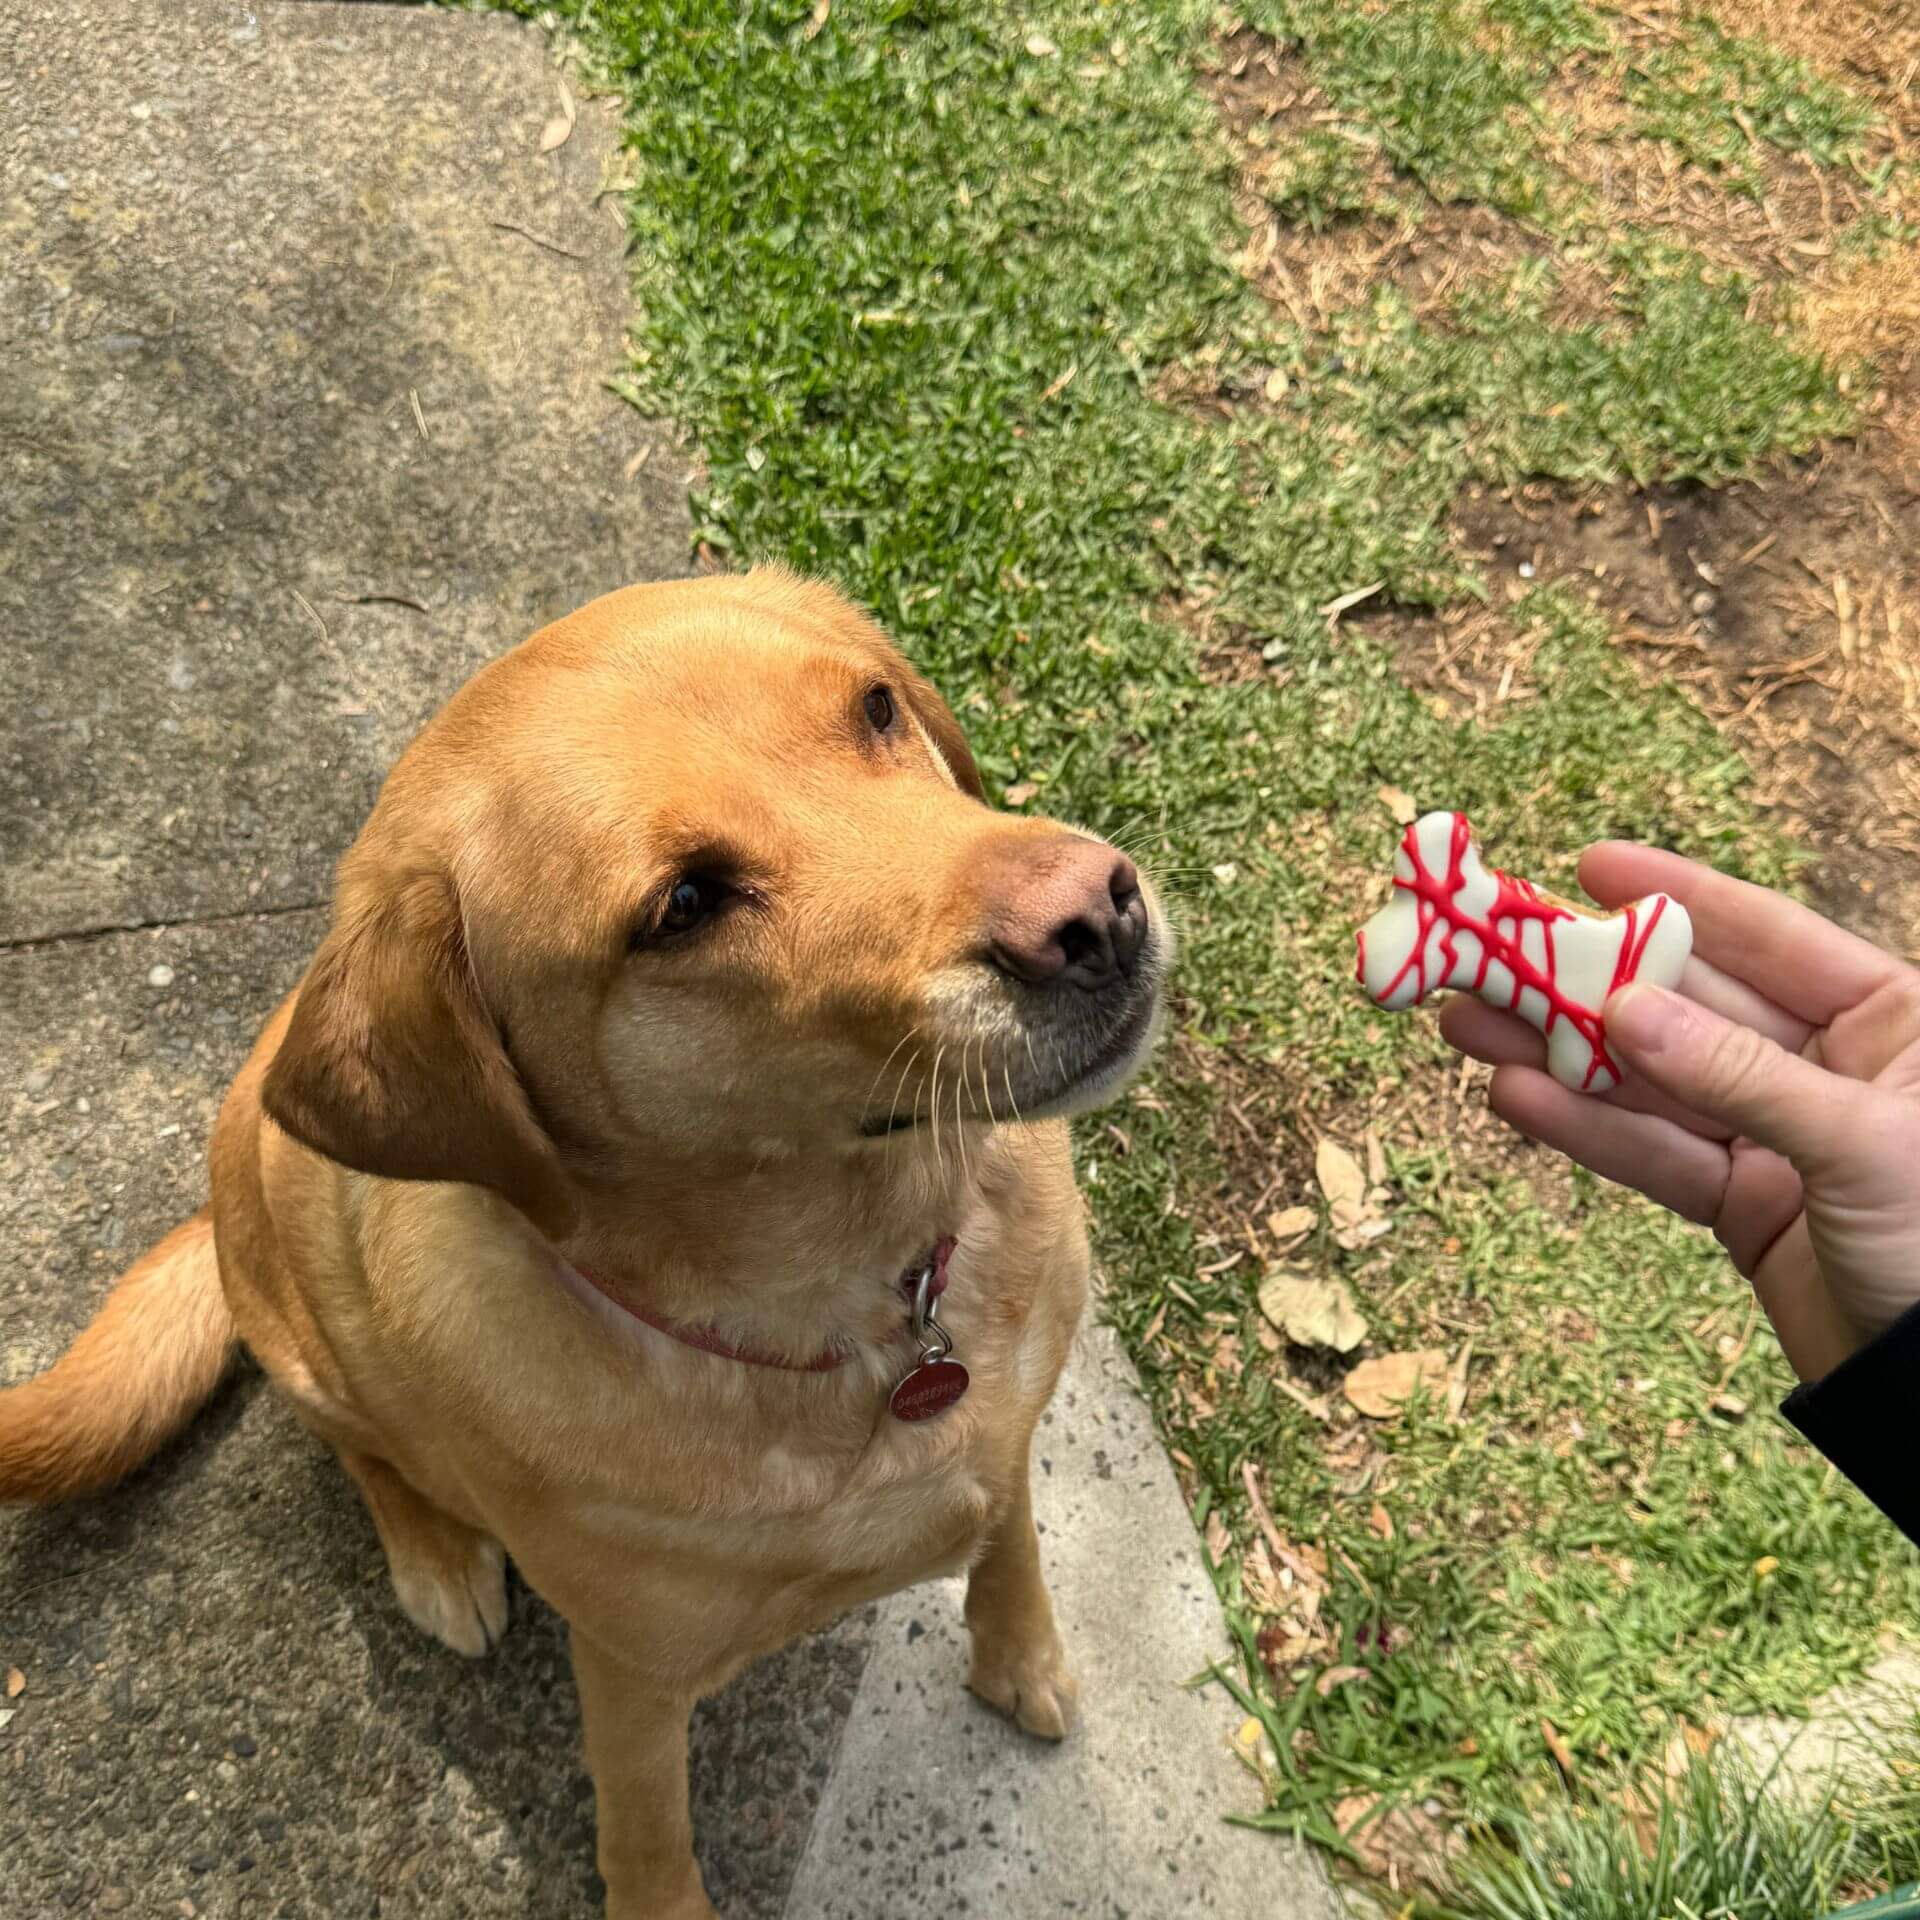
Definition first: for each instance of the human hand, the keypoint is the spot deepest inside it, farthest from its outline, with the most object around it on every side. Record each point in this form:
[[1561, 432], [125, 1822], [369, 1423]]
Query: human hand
[[1775, 1097]]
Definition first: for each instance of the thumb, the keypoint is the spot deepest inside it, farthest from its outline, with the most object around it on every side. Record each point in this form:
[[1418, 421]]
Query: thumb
[[1727, 1072]]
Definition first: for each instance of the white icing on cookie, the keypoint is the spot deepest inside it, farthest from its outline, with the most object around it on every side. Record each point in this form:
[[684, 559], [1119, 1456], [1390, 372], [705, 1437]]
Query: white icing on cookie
[[1453, 921]]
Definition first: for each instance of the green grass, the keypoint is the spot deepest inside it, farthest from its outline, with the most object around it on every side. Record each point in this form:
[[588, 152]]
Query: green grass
[[1452, 91], [1636, 1558], [1449, 108], [1719, 97], [1325, 178], [914, 288], [1719, 1844]]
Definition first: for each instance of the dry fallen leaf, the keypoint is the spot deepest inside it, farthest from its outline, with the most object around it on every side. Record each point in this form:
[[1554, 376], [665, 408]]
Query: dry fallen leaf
[[1281, 1646], [1021, 792], [1344, 602], [1313, 1313], [1040, 46], [1337, 1677], [1343, 1180], [1562, 1753], [1276, 385], [1763, 1569], [1292, 1222], [1381, 1521], [1341, 1177], [1380, 1388], [1643, 1817], [559, 130], [1400, 805], [1689, 1743], [1731, 1405], [1405, 1843], [1260, 1581], [1219, 1540], [816, 19], [1457, 1382], [16, 1683]]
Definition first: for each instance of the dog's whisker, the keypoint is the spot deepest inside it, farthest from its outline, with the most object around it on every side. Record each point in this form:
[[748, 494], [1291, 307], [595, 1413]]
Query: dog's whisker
[[866, 1104], [933, 1106], [960, 1119], [986, 1092], [1012, 1100], [894, 1104]]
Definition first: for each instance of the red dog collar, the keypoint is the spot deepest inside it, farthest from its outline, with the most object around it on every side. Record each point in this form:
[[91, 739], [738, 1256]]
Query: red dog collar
[[710, 1340]]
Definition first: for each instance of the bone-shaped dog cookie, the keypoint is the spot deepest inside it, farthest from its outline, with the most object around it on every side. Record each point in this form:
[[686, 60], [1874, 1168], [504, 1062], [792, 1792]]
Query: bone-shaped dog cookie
[[1455, 922]]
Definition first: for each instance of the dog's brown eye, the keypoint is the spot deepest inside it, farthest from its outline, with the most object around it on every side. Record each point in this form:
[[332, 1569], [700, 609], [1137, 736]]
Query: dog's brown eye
[[880, 709], [691, 900]]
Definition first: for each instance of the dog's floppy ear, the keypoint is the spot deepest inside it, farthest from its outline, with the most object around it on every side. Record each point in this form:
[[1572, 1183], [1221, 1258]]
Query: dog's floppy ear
[[943, 730], [392, 1066]]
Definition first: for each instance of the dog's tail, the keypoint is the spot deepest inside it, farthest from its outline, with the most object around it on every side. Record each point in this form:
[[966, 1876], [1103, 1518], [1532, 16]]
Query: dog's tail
[[148, 1362]]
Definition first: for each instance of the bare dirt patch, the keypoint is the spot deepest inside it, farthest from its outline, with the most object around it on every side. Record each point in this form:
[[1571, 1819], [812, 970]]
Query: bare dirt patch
[[1227, 654], [1789, 609]]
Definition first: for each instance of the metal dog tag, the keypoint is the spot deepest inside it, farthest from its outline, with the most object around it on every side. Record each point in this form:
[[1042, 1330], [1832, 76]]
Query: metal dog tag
[[939, 1380], [932, 1387]]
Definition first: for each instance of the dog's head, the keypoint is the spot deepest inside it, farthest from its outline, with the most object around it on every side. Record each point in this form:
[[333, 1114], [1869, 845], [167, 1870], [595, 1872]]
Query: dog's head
[[704, 871]]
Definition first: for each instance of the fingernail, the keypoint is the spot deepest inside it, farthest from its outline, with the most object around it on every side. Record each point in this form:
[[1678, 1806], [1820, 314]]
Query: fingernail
[[1645, 1019]]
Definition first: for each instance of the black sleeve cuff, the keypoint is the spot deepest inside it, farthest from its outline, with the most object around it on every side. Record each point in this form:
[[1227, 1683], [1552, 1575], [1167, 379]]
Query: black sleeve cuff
[[1861, 1416]]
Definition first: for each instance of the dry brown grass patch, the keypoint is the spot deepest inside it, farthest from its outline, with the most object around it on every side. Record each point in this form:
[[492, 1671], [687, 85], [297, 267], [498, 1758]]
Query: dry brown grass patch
[[1785, 233], [1871, 311]]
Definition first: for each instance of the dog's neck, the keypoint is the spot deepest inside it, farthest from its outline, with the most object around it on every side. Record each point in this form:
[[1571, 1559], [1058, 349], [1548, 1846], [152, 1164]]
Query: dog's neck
[[779, 1258]]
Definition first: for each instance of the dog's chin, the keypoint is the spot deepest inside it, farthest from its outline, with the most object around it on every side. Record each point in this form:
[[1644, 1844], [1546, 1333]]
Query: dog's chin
[[1117, 1057], [1122, 1056]]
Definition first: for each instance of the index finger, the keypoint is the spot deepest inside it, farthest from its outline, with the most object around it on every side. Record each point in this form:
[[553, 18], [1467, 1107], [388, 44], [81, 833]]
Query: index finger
[[1799, 960]]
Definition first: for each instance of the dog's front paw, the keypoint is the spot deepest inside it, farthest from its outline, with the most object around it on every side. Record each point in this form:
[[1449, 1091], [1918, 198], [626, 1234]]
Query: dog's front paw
[[1032, 1685], [454, 1588], [693, 1905]]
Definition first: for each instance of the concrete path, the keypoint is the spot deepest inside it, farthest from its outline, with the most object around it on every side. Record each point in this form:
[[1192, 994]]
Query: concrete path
[[936, 1808], [302, 417]]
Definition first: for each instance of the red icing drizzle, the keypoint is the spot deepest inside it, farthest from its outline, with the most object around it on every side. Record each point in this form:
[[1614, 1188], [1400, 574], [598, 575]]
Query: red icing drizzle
[[1515, 903]]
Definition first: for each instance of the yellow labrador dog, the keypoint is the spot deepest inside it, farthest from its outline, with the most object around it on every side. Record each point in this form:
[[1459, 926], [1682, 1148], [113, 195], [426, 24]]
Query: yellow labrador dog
[[659, 1175]]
